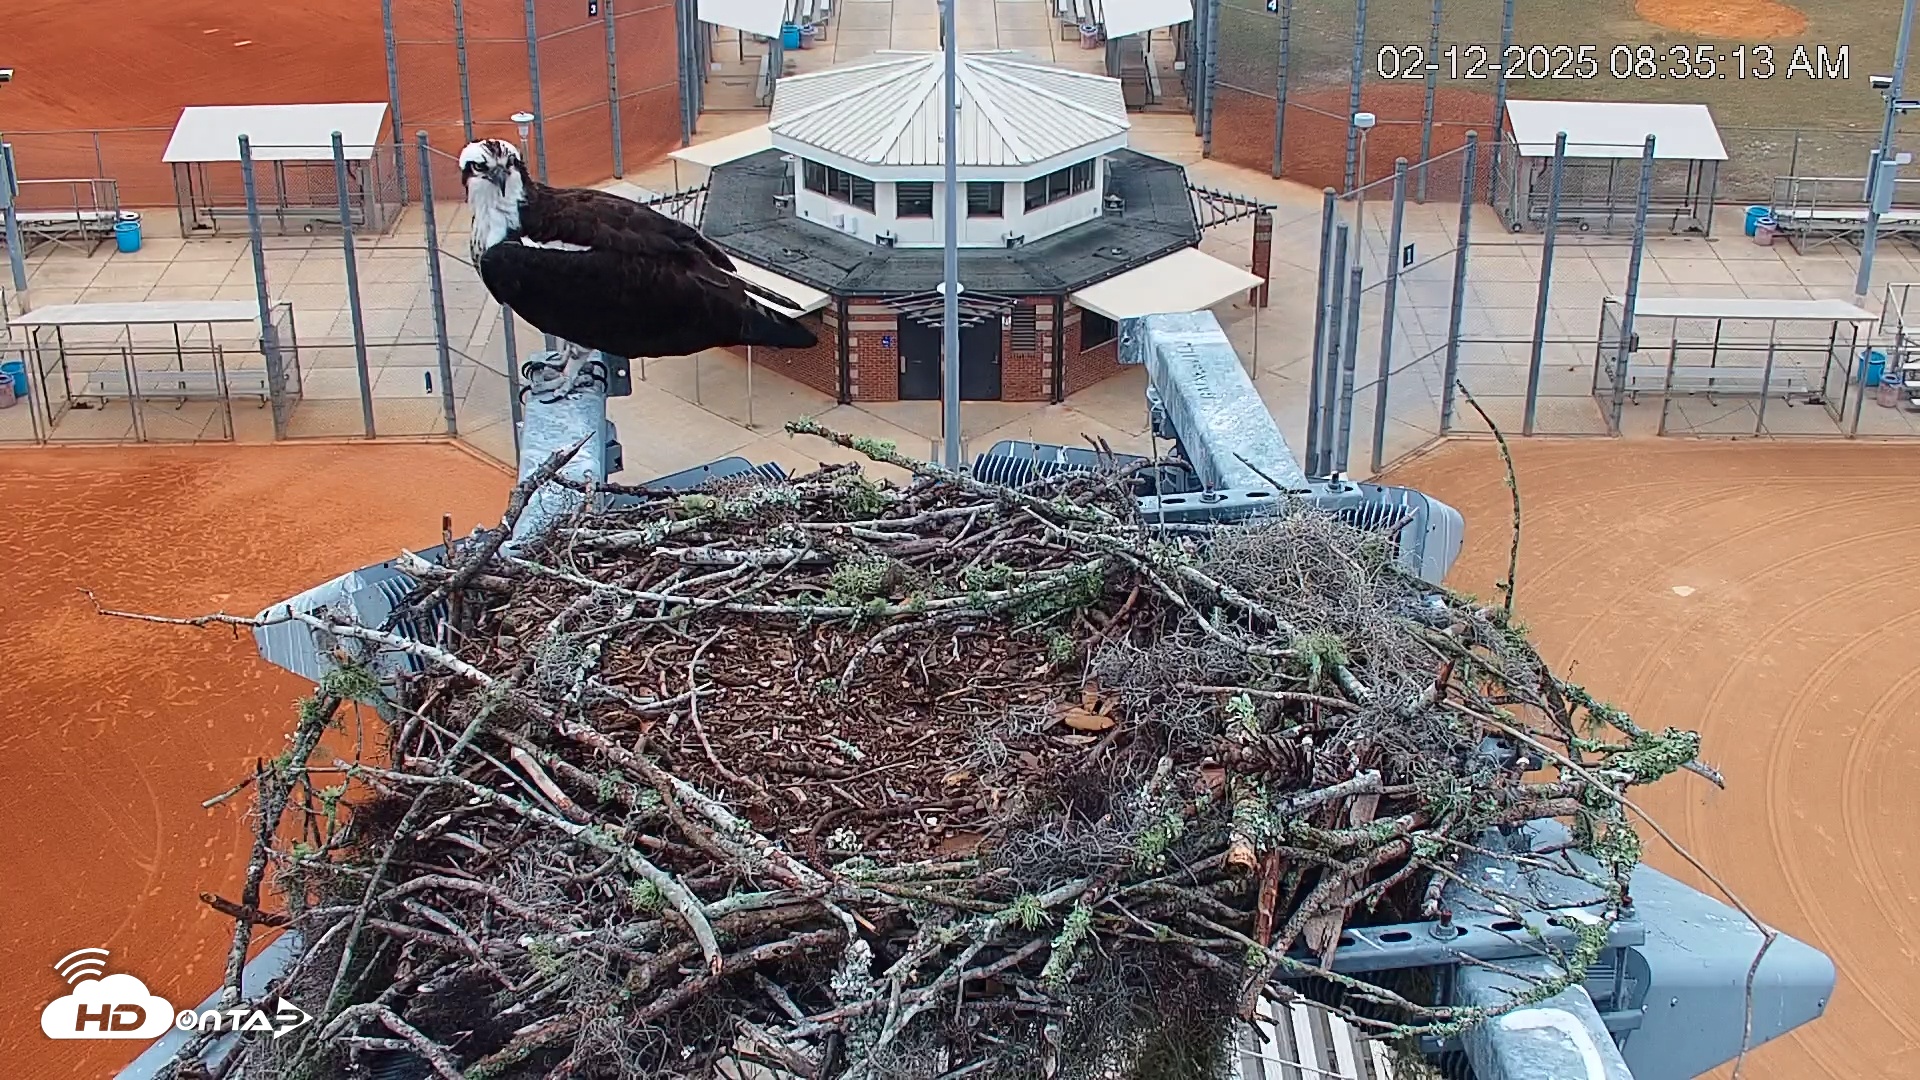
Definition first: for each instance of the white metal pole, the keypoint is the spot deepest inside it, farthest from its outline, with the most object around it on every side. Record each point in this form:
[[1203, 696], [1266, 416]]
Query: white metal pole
[[1881, 173], [950, 302]]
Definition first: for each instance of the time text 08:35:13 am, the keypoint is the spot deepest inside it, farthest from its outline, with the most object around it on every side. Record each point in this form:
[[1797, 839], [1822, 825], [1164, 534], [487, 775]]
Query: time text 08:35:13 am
[[1645, 63]]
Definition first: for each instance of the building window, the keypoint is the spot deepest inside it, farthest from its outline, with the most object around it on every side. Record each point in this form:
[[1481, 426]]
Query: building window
[[1059, 184], [913, 198], [1095, 330], [986, 199], [840, 186]]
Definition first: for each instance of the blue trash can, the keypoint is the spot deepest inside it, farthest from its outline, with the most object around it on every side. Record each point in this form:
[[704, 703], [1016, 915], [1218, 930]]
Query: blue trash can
[[126, 232], [789, 35], [1755, 215], [1873, 367], [15, 372]]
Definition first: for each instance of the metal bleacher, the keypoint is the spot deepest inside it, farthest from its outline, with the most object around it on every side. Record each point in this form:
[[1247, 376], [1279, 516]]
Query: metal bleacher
[[72, 213], [1814, 210]]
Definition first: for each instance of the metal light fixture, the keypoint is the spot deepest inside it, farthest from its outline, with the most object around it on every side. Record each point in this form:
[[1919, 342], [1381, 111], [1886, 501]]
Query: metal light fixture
[[522, 120]]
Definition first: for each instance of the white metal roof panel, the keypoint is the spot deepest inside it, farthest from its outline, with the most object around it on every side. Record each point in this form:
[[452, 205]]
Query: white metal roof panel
[[715, 152], [1721, 307], [805, 297], [1123, 17], [1616, 129], [761, 17], [1012, 111], [1187, 280], [278, 132], [142, 313]]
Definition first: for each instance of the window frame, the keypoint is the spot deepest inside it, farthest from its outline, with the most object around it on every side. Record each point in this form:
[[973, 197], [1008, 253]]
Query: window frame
[[1091, 320], [837, 184], [996, 203], [900, 199], [1060, 185]]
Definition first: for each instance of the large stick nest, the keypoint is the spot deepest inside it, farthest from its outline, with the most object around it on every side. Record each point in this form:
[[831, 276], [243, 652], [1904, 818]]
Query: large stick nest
[[832, 778]]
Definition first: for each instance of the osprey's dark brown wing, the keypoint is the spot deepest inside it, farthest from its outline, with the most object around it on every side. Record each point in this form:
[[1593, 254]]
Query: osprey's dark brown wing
[[627, 304], [603, 221]]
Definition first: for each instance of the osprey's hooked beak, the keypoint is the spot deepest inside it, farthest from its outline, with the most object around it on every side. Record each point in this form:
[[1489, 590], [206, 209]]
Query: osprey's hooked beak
[[498, 175]]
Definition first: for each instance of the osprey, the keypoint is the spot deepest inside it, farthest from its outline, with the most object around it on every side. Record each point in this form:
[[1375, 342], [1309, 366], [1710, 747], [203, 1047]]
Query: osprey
[[605, 273]]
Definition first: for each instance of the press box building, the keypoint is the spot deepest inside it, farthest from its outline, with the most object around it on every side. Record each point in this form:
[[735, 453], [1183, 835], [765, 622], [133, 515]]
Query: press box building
[[837, 204]]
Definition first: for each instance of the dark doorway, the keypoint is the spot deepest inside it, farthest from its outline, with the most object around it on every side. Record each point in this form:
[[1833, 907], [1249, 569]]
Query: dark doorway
[[920, 361]]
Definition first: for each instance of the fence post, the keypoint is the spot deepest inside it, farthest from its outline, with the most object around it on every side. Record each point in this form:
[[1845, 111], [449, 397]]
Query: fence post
[[438, 286], [269, 334], [1388, 300], [1350, 349], [1426, 110], [1536, 357], [353, 284], [1280, 86], [683, 66], [1197, 60], [513, 375], [1329, 404], [1500, 90], [533, 87], [613, 90], [393, 96], [1321, 283], [1633, 284], [1353, 91], [1213, 75], [16, 257], [460, 54], [1459, 309]]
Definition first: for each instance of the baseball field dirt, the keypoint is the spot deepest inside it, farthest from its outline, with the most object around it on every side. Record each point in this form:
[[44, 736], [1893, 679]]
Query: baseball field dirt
[[1762, 594], [116, 732]]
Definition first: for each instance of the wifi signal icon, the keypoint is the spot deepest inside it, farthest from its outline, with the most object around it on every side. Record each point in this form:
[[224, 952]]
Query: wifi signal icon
[[81, 964]]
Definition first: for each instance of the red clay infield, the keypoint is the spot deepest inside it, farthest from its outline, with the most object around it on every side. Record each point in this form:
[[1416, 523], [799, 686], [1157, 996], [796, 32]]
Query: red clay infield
[[115, 732], [1761, 593], [121, 64]]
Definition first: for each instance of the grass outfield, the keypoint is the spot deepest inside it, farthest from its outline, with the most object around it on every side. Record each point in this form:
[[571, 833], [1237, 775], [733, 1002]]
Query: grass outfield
[[1838, 117]]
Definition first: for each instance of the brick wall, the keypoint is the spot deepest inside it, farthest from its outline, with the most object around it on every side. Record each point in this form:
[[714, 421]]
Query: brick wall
[[818, 365], [876, 366], [1083, 369], [1027, 374]]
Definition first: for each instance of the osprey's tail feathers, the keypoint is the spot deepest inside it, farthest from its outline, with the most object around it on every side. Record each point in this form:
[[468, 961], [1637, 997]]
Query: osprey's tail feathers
[[761, 325]]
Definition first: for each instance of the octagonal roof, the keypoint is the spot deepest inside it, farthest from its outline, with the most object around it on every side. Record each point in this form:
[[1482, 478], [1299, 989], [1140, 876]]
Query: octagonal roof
[[1013, 111]]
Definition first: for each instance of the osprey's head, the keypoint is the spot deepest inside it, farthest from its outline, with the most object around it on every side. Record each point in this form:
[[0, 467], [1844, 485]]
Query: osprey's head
[[491, 161], [496, 183]]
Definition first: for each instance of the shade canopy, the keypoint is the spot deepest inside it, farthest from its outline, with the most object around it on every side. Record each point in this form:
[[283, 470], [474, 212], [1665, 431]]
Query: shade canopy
[[1734, 307], [1616, 130], [716, 152], [277, 132], [761, 17], [1187, 280], [142, 313], [1122, 17], [805, 297], [887, 112]]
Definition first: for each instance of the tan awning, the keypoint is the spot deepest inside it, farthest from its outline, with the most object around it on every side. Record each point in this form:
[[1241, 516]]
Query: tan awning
[[1187, 280], [715, 152], [805, 297]]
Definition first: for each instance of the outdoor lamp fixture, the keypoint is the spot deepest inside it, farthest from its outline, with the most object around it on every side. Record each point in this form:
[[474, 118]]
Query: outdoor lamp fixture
[[1362, 122], [522, 120]]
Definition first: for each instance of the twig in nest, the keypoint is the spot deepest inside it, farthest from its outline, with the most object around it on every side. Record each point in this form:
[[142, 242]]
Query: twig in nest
[[1513, 485]]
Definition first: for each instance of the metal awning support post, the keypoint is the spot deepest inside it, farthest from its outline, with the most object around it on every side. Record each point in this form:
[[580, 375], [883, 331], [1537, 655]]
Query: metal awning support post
[[269, 334], [442, 347], [1536, 355], [1633, 284], [1322, 281]]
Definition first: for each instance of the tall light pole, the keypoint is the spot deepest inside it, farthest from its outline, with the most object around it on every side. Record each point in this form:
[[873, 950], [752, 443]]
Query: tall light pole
[[1363, 123], [1880, 176], [950, 263]]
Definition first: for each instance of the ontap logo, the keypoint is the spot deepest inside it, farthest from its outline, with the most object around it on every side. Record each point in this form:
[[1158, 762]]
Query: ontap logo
[[102, 1006]]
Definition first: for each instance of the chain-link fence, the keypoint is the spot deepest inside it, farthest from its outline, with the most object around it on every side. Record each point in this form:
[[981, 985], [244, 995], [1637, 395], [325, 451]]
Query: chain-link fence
[[1290, 75], [601, 80]]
